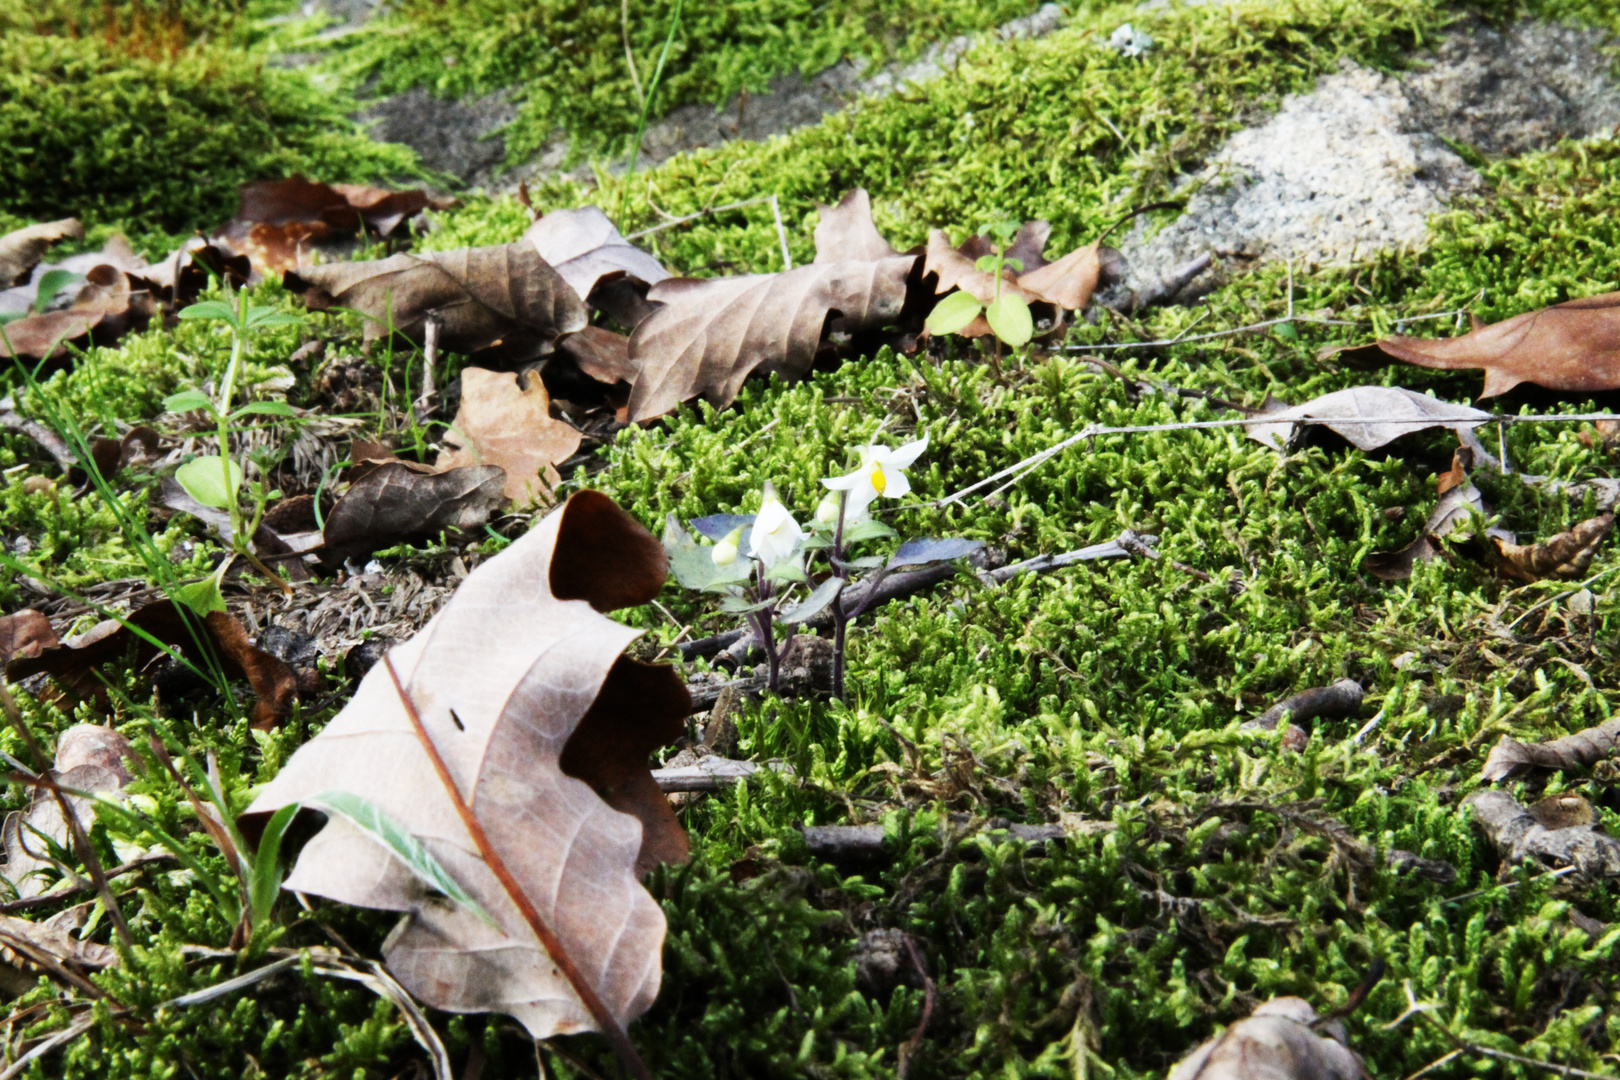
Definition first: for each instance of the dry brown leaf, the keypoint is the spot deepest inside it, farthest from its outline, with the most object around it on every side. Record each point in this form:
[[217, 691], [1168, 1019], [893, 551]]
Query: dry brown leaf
[[958, 271], [397, 503], [506, 299], [76, 662], [1556, 833], [500, 422], [1068, 283], [104, 309], [89, 758], [712, 334], [21, 250], [1571, 346], [25, 634], [1459, 501], [24, 944], [1276, 1042], [516, 679], [847, 233], [1572, 753], [278, 222], [599, 353], [1566, 555], [583, 246]]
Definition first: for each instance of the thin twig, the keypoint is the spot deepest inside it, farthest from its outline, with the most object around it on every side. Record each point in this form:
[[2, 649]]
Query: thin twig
[[915, 1042], [1265, 325], [81, 1024], [682, 220], [67, 888], [781, 234], [605, 1020], [430, 355]]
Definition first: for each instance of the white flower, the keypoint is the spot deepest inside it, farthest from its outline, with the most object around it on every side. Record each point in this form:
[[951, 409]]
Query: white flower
[[827, 514], [880, 475], [776, 535], [1130, 41], [724, 552]]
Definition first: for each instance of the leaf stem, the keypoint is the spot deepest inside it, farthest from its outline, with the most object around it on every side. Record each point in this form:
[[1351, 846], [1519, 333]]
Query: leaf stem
[[605, 1020]]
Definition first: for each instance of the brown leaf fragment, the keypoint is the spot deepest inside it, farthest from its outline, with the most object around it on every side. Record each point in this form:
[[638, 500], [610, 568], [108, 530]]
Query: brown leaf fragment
[[21, 250], [1572, 753], [25, 634], [1459, 502], [583, 246], [75, 665], [278, 222], [847, 233], [1519, 836], [283, 552], [89, 758], [1279, 1041], [958, 271], [711, 334], [185, 272], [599, 353], [30, 947], [505, 298], [1337, 701], [507, 680], [1070, 281], [1566, 555], [395, 504], [1570, 346], [501, 422]]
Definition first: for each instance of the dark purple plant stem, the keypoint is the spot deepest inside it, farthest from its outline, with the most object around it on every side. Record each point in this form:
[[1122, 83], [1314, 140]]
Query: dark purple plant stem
[[767, 634], [840, 622]]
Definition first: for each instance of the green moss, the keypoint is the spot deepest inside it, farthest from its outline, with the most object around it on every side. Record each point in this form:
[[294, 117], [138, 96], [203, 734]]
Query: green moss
[[161, 137]]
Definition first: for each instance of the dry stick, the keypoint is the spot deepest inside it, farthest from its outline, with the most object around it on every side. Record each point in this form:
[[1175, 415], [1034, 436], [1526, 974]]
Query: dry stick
[[62, 892], [81, 1024], [672, 222], [554, 947], [430, 356], [1266, 325], [81, 841], [49, 440], [915, 1042], [1018, 470]]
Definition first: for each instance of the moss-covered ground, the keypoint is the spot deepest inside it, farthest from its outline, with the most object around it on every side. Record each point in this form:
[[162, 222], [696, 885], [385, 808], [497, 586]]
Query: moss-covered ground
[[1215, 868]]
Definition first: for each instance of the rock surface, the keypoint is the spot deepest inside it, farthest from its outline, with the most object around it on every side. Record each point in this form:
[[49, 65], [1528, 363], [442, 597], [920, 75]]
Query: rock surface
[[1359, 164]]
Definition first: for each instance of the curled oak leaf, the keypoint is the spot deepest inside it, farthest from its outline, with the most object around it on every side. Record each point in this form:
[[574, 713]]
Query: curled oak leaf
[[584, 247], [1280, 1040], [1368, 417], [1570, 346], [506, 299], [501, 422], [846, 232], [1572, 753], [75, 665], [712, 334], [89, 758], [25, 634], [396, 503], [518, 679], [185, 272], [1067, 283], [1566, 555], [1555, 834], [599, 353], [278, 222], [957, 270], [106, 307], [22, 249]]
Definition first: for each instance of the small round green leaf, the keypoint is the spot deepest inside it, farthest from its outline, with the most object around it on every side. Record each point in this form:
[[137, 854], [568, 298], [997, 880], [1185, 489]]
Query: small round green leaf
[[204, 480], [953, 313], [1010, 318]]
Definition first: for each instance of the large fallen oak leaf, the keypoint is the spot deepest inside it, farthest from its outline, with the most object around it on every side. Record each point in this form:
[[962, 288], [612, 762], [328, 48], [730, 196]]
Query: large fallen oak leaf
[[399, 502], [584, 247], [1567, 555], [520, 686], [1280, 1040], [501, 422], [1557, 833], [846, 232], [277, 222], [75, 664], [504, 298], [1368, 417], [711, 334], [1573, 753], [1571, 346], [22, 249]]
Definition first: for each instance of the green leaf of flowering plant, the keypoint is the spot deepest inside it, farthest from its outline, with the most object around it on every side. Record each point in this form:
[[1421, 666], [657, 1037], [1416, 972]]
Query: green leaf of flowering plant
[[264, 879], [210, 309], [370, 819], [261, 317], [188, 401], [741, 605], [1009, 317], [51, 283], [868, 530], [953, 313], [788, 572], [924, 550], [812, 605], [265, 408], [201, 596], [204, 480]]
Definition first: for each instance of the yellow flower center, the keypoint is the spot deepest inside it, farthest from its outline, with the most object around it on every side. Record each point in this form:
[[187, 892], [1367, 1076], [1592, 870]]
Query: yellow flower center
[[879, 481]]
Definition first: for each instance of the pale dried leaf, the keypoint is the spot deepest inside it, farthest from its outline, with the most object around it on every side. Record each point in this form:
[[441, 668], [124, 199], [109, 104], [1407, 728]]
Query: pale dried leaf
[[505, 424], [519, 683], [504, 297], [1553, 837], [1367, 416], [712, 334], [397, 503], [1276, 1042], [846, 232], [21, 250], [1572, 753], [584, 247], [89, 758]]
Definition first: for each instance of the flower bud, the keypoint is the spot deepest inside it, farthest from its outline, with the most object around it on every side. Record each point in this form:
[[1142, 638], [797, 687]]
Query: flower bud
[[724, 553]]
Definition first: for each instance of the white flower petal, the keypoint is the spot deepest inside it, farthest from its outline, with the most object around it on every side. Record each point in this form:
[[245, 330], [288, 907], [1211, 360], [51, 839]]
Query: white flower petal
[[903, 457]]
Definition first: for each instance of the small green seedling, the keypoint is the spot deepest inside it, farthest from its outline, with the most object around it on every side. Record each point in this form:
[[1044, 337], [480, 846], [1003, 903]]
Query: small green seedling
[[1007, 312]]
